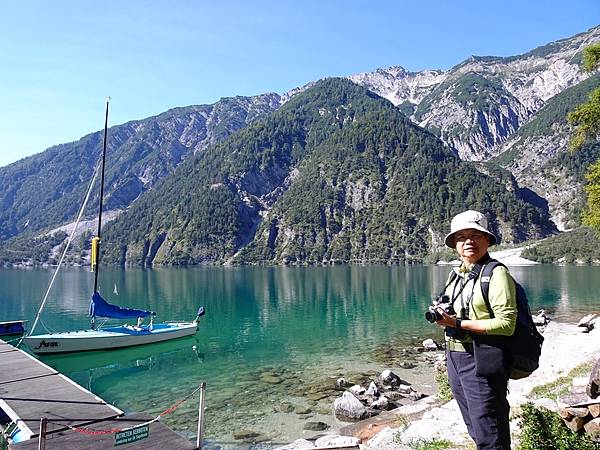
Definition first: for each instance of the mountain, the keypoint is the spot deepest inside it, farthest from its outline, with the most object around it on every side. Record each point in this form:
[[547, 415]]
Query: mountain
[[47, 189], [225, 182], [336, 175], [475, 106], [539, 158]]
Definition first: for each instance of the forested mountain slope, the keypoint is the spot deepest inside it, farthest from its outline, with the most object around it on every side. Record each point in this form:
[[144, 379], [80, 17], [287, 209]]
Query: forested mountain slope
[[337, 174], [377, 186], [47, 189]]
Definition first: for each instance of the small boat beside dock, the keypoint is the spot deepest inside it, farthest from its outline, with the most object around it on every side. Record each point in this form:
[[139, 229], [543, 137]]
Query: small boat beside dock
[[104, 337], [12, 327], [75, 418]]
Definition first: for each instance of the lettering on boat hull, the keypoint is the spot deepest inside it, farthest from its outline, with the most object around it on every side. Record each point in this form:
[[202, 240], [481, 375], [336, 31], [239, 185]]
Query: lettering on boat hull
[[44, 344]]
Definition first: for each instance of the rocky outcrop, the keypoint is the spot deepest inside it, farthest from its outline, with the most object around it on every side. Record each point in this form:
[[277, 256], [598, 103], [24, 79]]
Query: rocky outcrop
[[382, 394], [475, 106]]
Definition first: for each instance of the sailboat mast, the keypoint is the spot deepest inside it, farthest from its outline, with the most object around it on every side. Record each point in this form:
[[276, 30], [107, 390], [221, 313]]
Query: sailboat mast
[[97, 265]]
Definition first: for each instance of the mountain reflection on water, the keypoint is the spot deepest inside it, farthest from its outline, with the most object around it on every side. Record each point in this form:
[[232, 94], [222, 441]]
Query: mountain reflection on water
[[99, 370]]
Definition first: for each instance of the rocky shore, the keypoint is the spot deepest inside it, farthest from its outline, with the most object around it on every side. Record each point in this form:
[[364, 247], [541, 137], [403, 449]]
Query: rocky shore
[[424, 418]]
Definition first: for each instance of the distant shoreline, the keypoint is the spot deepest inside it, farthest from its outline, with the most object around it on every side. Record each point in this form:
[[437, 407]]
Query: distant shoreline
[[508, 257]]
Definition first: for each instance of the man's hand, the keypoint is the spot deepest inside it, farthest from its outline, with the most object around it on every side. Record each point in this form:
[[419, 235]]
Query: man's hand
[[472, 326], [446, 320]]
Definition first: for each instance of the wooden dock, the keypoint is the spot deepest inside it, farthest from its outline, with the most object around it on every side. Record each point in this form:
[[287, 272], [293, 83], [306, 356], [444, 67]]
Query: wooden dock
[[30, 390]]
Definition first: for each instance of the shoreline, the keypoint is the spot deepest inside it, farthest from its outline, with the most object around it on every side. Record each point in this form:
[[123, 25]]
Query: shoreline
[[508, 257], [445, 421]]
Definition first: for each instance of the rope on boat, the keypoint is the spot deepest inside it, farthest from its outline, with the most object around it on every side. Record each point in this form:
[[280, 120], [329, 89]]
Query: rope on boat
[[62, 257], [10, 341], [91, 432]]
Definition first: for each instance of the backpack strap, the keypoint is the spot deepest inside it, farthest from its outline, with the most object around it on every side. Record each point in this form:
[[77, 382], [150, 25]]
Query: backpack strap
[[486, 275], [451, 278]]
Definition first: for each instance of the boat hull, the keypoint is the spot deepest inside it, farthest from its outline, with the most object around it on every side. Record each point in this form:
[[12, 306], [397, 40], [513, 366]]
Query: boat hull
[[107, 338]]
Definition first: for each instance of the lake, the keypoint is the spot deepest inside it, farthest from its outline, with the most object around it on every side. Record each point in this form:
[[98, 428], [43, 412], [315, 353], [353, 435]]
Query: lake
[[273, 340]]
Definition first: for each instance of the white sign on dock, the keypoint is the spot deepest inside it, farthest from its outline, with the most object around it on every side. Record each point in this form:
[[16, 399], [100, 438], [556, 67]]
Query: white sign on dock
[[132, 435]]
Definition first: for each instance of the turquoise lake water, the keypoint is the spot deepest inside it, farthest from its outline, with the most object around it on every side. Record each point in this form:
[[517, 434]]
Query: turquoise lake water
[[272, 340]]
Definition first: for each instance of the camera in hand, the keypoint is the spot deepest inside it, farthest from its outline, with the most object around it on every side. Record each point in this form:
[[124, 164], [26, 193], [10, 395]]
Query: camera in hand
[[443, 302]]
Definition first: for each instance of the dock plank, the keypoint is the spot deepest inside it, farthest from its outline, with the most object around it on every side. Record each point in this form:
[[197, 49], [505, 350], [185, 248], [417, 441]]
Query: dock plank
[[30, 390], [6, 348], [54, 398], [160, 437], [14, 366]]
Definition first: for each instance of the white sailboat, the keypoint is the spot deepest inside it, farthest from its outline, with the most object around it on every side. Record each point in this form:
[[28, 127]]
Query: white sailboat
[[108, 337]]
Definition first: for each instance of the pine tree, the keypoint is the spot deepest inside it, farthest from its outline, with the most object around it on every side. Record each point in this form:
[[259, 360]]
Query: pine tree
[[586, 119]]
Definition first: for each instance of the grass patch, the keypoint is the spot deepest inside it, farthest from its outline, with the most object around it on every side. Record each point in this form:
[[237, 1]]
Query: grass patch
[[444, 391], [425, 444], [431, 444], [562, 385]]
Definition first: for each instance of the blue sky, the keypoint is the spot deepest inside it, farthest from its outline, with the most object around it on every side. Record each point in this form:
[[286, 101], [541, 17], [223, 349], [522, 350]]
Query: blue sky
[[60, 59]]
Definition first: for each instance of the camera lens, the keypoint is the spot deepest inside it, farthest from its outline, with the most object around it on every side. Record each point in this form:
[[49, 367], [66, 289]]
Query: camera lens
[[431, 316]]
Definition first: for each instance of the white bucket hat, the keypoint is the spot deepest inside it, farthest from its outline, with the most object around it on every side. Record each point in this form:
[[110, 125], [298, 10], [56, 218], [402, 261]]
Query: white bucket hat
[[469, 220]]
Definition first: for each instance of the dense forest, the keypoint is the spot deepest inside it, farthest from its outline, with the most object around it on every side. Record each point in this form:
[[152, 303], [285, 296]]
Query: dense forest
[[578, 246], [337, 174]]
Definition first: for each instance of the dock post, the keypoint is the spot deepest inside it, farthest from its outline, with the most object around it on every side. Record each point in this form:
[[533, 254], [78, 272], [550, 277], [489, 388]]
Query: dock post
[[200, 416], [42, 437]]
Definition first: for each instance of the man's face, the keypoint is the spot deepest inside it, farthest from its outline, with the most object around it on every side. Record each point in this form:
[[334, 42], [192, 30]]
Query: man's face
[[471, 244]]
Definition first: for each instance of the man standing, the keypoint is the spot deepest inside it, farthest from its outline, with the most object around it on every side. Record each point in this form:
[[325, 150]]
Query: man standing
[[481, 396]]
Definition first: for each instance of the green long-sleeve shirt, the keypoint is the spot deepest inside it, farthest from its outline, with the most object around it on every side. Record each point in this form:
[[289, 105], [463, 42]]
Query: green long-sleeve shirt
[[502, 297]]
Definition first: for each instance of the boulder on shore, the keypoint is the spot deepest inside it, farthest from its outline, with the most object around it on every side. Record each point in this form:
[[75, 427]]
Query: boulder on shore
[[349, 407], [389, 378], [334, 440], [429, 345], [298, 444]]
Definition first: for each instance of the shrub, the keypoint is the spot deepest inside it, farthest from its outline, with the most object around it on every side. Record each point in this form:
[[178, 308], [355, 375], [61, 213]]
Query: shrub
[[542, 429]]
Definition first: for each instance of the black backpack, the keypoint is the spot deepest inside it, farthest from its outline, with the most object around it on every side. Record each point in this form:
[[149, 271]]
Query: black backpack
[[524, 347]]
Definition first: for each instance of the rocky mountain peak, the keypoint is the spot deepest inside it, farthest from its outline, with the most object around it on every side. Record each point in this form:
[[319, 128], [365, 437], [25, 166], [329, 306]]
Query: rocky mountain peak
[[399, 85], [475, 106]]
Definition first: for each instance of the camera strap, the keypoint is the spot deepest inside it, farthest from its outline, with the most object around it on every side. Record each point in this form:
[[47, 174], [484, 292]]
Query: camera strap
[[454, 278], [473, 275]]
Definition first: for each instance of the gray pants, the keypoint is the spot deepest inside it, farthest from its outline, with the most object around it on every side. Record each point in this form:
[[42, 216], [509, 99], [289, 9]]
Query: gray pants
[[482, 402]]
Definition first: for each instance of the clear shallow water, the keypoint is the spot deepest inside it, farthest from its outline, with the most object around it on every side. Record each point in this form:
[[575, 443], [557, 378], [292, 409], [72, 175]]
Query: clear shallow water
[[273, 340]]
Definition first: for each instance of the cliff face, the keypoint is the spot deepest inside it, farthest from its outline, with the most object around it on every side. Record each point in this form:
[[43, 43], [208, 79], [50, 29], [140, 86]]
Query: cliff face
[[478, 104], [538, 156]]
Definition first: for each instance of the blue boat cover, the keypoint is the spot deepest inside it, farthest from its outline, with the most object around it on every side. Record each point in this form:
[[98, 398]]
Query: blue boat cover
[[101, 308], [14, 327]]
